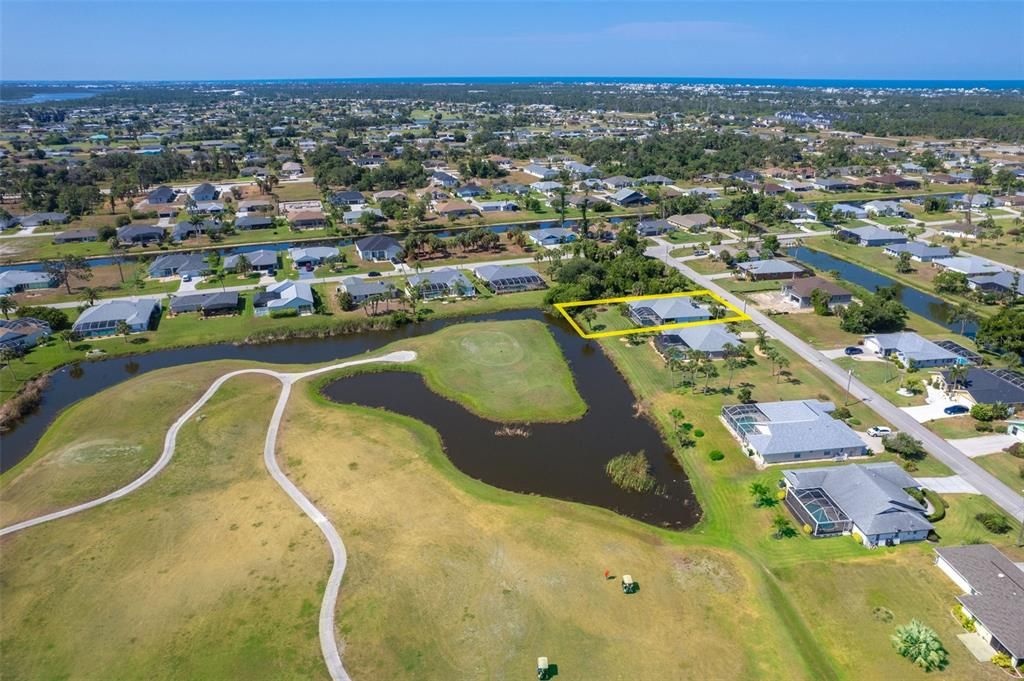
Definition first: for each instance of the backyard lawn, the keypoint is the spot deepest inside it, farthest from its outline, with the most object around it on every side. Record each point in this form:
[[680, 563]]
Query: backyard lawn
[[1008, 468]]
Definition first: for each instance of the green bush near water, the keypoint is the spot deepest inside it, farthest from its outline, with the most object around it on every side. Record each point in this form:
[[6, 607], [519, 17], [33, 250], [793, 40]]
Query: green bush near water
[[631, 471]]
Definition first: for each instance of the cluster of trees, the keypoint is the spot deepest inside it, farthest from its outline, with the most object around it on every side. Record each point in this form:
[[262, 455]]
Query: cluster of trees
[[878, 313], [1003, 331], [331, 169], [617, 269]]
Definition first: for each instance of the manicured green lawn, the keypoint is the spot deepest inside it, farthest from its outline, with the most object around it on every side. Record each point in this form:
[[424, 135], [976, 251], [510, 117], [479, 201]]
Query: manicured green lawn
[[678, 236], [954, 427], [707, 266], [1004, 466], [884, 378]]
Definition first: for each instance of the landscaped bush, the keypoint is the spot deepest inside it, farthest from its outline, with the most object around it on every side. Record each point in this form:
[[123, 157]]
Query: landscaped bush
[[841, 413], [999, 428], [921, 645], [281, 314], [939, 506], [631, 471], [994, 522], [1001, 659], [716, 455], [853, 422], [917, 494], [907, 447], [762, 494], [983, 427], [966, 621], [1016, 450], [698, 433]]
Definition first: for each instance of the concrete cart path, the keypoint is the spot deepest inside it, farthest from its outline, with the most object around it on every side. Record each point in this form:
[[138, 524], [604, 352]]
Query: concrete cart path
[[328, 642]]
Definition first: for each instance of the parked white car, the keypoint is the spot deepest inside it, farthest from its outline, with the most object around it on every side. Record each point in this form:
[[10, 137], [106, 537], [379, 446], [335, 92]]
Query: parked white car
[[879, 431]]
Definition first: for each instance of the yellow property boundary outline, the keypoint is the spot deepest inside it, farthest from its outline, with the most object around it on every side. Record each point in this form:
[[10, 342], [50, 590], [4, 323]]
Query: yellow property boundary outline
[[738, 315]]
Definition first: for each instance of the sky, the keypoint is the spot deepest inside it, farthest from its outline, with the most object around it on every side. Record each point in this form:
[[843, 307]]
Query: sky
[[213, 39]]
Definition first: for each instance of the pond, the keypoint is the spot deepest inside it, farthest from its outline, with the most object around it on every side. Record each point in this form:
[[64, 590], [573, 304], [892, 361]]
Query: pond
[[918, 302], [565, 461]]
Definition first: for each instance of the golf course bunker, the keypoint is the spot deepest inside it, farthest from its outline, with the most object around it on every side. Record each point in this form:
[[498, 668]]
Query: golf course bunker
[[558, 460]]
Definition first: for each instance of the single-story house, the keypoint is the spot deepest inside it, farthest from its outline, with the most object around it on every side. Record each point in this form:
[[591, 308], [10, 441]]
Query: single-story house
[[773, 268], [891, 180], [512, 188], [986, 386], [186, 230], [442, 283], [255, 206], [831, 184], [162, 194], [208, 304], [307, 219], [884, 208], [799, 291], [709, 194], [801, 210], [180, 264], [961, 230], [40, 219], [919, 251], [204, 192], [73, 236], [872, 236], [691, 222], [253, 222], [22, 333], [351, 217], [102, 319], [661, 311], [469, 191], [656, 179], [654, 227], [1000, 282], [629, 197], [390, 195], [454, 209], [498, 206], [347, 198], [548, 187], [15, 281], [261, 261], [208, 208], [796, 430], [140, 234], [577, 169], [543, 172], [970, 265], [313, 255], [869, 501], [993, 596], [618, 182], [443, 179], [509, 278], [551, 236], [284, 295], [709, 338], [362, 289], [912, 350], [378, 248]]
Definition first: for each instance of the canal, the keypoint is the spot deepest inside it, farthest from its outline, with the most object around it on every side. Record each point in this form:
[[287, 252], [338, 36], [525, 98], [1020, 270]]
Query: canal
[[918, 302]]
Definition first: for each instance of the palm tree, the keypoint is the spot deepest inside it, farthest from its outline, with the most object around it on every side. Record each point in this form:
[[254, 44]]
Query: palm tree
[[1011, 360], [68, 336], [6, 305], [732, 363], [782, 363], [920, 645], [7, 356], [957, 373], [123, 329], [964, 314], [116, 248], [89, 295], [762, 338]]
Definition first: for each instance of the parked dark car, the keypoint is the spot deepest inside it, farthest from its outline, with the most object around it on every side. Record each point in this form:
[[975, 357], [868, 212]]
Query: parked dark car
[[956, 409], [375, 273], [853, 350]]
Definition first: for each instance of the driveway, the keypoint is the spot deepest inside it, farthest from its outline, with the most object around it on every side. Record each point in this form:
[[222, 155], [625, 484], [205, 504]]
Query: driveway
[[949, 484], [937, 402], [874, 443], [839, 353], [983, 444], [189, 286]]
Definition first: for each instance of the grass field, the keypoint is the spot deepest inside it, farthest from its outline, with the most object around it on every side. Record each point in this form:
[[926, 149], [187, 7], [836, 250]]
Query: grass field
[[884, 378], [447, 576], [208, 572], [505, 371], [1004, 466]]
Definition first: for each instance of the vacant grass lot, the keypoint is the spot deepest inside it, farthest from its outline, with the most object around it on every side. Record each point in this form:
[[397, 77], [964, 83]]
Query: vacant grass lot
[[208, 572], [1009, 469]]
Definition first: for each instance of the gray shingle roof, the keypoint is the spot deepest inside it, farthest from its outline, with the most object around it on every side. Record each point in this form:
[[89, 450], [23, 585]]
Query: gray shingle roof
[[913, 347], [800, 426], [872, 495], [998, 601]]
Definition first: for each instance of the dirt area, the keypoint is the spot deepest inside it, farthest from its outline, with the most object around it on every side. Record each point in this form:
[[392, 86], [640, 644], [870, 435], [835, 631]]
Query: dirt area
[[774, 301]]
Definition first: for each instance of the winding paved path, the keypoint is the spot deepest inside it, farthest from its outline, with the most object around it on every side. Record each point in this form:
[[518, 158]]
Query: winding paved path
[[328, 642]]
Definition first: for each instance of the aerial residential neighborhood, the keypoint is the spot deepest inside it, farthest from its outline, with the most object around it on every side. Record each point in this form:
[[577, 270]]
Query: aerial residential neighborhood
[[327, 360]]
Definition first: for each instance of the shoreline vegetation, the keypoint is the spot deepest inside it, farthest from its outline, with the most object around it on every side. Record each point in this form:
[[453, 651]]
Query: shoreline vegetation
[[631, 471]]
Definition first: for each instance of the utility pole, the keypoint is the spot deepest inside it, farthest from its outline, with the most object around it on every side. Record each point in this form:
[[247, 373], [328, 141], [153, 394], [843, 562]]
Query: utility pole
[[849, 380]]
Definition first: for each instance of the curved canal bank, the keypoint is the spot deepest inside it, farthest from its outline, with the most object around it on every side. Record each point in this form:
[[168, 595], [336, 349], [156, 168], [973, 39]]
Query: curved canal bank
[[564, 460], [926, 305]]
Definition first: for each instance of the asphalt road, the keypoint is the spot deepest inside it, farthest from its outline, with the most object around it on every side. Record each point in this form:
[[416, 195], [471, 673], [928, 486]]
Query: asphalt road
[[1004, 497]]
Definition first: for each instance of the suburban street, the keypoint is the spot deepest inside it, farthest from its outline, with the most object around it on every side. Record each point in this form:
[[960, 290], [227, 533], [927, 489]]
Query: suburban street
[[1007, 499]]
